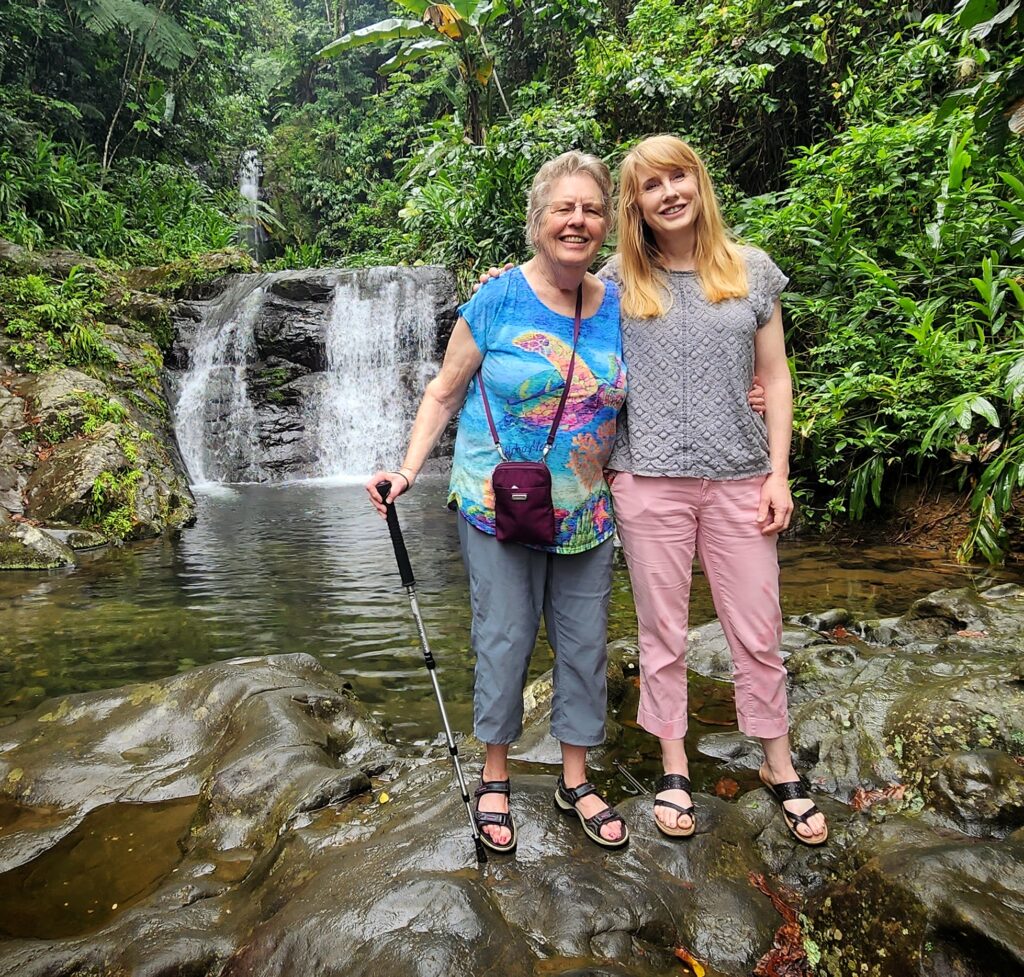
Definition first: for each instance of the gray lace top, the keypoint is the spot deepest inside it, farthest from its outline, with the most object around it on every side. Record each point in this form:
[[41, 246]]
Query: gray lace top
[[686, 412]]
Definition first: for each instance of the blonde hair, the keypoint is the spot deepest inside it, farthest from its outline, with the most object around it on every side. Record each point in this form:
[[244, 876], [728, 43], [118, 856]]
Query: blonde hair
[[720, 267], [568, 164]]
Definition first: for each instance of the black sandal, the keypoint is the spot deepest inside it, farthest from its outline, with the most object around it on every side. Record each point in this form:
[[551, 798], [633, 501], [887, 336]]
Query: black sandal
[[794, 791], [498, 819], [675, 781], [566, 799]]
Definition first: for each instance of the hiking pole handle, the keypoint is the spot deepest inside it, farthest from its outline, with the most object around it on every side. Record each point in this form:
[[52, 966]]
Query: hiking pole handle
[[401, 553]]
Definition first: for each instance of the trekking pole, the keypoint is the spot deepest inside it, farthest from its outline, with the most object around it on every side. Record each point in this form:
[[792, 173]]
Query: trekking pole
[[409, 582]]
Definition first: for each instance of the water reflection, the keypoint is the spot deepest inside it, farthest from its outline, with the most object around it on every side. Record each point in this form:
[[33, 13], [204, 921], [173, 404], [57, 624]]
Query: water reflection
[[308, 567]]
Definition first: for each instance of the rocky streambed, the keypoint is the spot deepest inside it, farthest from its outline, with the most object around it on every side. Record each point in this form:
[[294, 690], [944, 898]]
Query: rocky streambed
[[248, 818]]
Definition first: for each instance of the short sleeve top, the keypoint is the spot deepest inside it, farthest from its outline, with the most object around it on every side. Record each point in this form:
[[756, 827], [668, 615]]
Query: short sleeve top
[[526, 349], [689, 372]]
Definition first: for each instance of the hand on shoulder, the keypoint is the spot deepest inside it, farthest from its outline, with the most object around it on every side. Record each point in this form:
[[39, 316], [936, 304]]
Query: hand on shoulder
[[492, 274]]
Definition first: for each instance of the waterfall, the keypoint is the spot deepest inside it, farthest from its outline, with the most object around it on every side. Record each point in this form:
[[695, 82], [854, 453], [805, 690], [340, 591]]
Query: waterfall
[[215, 419], [380, 343], [305, 374], [249, 188]]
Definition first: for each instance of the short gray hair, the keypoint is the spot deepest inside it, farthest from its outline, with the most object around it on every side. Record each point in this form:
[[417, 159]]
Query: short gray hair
[[568, 164]]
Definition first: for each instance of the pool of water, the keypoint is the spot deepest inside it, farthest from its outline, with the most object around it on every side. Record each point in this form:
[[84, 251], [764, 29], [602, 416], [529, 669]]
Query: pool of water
[[309, 567]]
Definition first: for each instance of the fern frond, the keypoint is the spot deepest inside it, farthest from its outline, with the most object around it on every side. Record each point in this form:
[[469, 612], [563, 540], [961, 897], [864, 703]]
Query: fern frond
[[165, 40]]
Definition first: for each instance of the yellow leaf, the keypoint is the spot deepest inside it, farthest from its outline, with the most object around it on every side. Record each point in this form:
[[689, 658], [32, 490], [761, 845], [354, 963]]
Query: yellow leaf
[[484, 72], [691, 961], [445, 19], [384, 798]]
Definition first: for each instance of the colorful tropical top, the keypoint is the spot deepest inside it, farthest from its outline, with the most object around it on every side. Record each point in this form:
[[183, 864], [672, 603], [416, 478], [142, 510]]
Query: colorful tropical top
[[527, 349]]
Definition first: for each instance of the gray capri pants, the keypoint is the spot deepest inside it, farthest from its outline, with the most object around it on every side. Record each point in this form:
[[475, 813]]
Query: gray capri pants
[[509, 587]]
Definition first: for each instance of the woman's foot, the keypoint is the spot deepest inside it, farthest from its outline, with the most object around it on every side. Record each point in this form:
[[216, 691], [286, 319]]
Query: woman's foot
[[492, 816], [601, 822], [803, 819], [673, 806]]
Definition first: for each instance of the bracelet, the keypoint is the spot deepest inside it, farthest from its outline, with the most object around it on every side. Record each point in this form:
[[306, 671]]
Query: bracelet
[[403, 478]]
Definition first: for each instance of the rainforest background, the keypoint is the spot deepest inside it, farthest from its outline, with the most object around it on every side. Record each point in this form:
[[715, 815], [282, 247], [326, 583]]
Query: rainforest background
[[873, 148]]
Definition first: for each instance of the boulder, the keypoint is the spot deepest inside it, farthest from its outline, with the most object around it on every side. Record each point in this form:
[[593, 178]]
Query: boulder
[[920, 904], [61, 488], [148, 489], [25, 547], [57, 400]]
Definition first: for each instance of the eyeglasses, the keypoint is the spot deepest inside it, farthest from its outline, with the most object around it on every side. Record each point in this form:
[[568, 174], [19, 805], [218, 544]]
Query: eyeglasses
[[563, 209]]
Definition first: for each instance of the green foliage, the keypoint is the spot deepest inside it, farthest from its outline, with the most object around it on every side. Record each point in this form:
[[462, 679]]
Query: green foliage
[[111, 508], [58, 323], [466, 205], [907, 321], [100, 411], [439, 29], [872, 148], [150, 213]]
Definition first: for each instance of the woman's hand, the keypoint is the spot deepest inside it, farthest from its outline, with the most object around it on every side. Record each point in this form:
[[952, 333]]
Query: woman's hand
[[755, 396], [401, 481], [493, 274], [776, 505]]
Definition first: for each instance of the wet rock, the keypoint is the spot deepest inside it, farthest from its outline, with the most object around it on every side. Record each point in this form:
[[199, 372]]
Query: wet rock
[[148, 487], [61, 488], [735, 749], [827, 620], [293, 333], [24, 547], [78, 539], [239, 737], [982, 791], [12, 410], [58, 399], [313, 288], [924, 905], [290, 866], [708, 654]]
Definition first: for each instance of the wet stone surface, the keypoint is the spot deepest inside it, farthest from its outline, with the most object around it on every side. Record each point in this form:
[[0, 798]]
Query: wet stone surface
[[282, 835]]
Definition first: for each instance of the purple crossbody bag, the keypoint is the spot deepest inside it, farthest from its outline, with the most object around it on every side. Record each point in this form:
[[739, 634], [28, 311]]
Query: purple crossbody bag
[[523, 509]]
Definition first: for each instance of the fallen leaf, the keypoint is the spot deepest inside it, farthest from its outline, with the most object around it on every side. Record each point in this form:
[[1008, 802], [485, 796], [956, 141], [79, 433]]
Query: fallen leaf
[[384, 798], [787, 957], [968, 633], [690, 960], [727, 788], [839, 632], [863, 799]]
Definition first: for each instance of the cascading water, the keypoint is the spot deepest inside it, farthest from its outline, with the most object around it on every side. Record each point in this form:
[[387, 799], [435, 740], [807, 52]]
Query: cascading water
[[215, 419], [249, 188], [305, 374], [380, 343]]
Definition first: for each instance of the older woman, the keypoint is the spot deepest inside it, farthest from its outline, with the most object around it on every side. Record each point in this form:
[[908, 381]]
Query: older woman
[[519, 334], [696, 469]]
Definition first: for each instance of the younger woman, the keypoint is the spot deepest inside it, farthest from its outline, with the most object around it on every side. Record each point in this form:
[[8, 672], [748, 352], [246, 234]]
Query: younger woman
[[695, 468]]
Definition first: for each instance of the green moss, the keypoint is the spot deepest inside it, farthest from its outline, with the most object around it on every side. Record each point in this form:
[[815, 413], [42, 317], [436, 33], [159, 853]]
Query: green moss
[[15, 556]]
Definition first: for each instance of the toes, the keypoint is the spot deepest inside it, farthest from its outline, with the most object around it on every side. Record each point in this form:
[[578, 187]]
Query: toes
[[611, 832]]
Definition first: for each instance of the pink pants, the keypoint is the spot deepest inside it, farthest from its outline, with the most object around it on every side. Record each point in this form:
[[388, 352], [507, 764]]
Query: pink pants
[[661, 521]]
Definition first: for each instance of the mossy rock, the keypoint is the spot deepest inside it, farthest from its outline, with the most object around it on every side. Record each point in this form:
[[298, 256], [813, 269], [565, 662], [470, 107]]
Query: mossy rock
[[190, 277], [25, 547]]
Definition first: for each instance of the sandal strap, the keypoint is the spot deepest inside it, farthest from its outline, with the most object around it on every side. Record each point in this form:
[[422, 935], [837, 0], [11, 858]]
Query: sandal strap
[[688, 811], [674, 781], [575, 794], [599, 820], [801, 818], [499, 818], [493, 787], [792, 790]]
